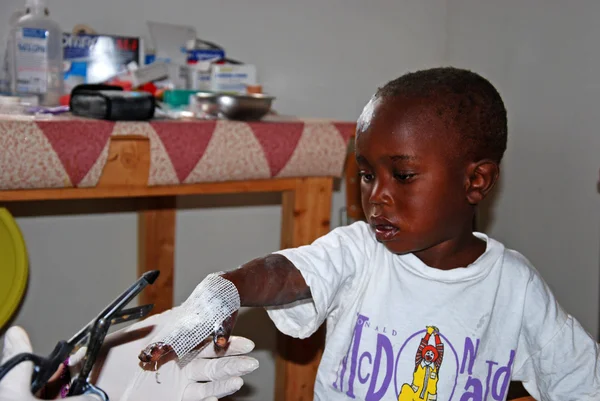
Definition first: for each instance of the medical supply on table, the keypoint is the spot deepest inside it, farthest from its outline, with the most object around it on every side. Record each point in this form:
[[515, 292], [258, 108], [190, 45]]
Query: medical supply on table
[[35, 55]]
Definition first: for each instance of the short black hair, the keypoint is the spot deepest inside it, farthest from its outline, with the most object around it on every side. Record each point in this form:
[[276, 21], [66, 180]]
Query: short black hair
[[463, 99]]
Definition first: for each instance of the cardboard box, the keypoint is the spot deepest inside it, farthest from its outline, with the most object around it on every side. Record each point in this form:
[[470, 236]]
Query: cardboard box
[[96, 58], [232, 78]]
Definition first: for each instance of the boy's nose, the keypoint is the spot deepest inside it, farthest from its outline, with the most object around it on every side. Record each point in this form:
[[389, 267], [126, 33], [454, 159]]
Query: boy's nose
[[379, 194]]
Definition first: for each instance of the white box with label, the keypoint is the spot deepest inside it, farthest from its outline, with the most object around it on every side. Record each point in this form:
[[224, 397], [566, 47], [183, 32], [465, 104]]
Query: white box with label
[[232, 78]]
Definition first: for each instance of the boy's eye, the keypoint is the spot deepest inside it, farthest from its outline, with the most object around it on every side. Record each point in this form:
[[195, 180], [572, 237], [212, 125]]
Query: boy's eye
[[404, 177], [365, 176]]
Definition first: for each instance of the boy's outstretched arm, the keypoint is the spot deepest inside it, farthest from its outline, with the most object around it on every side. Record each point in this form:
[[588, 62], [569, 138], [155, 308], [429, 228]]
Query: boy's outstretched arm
[[212, 308], [271, 280]]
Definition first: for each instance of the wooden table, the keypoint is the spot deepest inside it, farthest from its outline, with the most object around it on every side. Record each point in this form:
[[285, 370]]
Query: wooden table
[[70, 158]]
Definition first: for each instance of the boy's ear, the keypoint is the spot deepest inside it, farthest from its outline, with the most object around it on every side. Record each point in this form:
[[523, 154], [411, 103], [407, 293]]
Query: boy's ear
[[481, 178]]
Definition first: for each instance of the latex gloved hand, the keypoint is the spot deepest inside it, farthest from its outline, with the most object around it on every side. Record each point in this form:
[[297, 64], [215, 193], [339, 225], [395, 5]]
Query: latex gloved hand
[[16, 385], [200, 375]]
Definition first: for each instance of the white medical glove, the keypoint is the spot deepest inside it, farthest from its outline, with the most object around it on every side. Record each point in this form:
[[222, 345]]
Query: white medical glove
[[119, 372], [16, 385]]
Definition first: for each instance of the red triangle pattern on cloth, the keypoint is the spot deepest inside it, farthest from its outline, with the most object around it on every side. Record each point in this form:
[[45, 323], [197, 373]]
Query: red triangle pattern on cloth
[[78, 144], [185, 142], [346, 130], [278, 141]]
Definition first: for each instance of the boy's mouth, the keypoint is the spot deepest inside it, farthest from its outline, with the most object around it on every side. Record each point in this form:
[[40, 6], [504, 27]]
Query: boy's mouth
[[384, 230]]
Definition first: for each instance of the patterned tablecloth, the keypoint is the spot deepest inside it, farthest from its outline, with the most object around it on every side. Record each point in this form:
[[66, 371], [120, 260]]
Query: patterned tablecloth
[[65, 151]]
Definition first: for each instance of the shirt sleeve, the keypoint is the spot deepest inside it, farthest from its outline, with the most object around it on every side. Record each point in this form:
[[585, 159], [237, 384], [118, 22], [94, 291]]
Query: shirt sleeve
[[559, 360], [329, 266]]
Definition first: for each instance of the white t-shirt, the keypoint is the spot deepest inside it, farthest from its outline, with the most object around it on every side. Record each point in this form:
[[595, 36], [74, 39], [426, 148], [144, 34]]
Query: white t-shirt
[[495, 321]]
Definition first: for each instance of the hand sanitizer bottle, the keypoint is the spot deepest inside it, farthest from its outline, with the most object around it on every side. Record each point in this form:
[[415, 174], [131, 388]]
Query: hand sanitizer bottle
[[36, 55]]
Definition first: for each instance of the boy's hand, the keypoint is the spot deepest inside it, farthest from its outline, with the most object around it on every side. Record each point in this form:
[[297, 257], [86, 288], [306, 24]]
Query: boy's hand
[[211, 309]]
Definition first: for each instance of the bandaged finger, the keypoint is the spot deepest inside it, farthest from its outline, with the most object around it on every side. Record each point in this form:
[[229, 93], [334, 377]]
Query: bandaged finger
[[237, 346]]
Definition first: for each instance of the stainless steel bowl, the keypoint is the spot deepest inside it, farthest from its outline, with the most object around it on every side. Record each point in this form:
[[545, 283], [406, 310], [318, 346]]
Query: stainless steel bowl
[[252, 106], [205, 105]]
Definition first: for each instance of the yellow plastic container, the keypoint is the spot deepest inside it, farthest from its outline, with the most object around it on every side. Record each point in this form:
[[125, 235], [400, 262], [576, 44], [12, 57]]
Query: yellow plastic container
[[13, 266]]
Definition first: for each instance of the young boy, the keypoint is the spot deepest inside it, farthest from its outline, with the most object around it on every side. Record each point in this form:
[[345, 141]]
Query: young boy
[[418, 306]]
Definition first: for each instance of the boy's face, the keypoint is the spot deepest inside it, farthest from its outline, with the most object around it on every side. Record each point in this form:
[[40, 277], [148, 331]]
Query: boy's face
[[413, 177]]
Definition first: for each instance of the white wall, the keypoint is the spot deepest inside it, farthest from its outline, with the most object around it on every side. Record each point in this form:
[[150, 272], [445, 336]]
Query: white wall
[[321, 59], [543, 57]]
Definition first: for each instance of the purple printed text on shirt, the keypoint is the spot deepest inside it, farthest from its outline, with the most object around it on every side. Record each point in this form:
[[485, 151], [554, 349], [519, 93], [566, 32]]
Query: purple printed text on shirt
[[375, 369]]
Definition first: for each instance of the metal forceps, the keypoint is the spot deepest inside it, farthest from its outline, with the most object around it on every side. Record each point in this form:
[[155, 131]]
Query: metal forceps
[[94, 332]]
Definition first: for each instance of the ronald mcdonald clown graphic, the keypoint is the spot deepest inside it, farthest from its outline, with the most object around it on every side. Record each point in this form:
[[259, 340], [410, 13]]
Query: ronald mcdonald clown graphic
[[427, 367]]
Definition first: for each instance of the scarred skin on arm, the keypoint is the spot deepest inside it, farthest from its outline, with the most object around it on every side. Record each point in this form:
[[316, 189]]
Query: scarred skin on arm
[[271, 280]]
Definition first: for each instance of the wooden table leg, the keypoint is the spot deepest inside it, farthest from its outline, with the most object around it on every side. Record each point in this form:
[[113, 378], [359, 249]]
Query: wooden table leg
[[156, 250], [127, 166], [306, 216]]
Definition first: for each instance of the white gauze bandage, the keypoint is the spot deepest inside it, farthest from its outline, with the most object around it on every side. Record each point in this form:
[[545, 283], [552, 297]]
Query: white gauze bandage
[[211, 302]]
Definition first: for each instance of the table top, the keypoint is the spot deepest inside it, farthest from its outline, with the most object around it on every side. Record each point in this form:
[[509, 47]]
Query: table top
[[66, 151]]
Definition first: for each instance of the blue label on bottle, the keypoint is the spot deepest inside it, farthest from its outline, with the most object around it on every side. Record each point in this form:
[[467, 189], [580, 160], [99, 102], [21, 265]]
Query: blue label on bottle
[[35, 33], [31, 60]]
